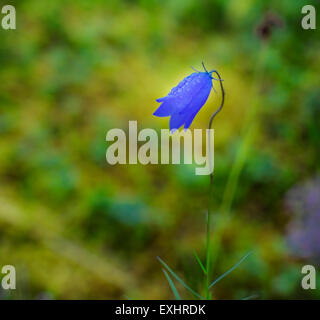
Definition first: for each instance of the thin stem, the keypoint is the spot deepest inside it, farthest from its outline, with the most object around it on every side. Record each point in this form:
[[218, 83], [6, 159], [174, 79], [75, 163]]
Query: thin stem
[[214, 114], [208, 246]]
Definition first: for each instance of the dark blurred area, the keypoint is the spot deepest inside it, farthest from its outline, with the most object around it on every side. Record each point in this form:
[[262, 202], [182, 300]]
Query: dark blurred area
[[76, 227]]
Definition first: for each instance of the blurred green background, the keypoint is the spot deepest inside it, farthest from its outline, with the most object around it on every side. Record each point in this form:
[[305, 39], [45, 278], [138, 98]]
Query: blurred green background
[[75, 227]]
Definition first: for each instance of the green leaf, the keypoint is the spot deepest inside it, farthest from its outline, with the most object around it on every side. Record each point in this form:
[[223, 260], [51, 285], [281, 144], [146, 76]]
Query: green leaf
[[179, 279], [230, 270], [172, 286], [200, 263], [253, 296]]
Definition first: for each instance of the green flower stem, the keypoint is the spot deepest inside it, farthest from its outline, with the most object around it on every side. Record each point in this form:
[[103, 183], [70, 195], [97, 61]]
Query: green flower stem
[[208, 240]]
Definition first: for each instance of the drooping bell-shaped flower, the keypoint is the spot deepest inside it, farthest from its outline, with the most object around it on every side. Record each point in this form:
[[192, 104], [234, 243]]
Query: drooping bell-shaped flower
[[186, 99]]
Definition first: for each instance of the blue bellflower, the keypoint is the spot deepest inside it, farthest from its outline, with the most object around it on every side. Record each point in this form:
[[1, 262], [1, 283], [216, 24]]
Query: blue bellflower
[[185, 100]]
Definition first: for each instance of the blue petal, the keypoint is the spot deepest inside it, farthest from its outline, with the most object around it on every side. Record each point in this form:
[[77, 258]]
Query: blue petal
[[189, 120], [187, 115], [185, 100], [179, 96], [161, 99], [167, 107], [196, 104], [199, 97], [177, 120]]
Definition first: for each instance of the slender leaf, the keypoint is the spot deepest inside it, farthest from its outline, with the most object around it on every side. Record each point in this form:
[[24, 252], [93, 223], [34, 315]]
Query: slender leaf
[[230, 270], [253, 296], [200, 263], [172, 286], [179, 279]]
